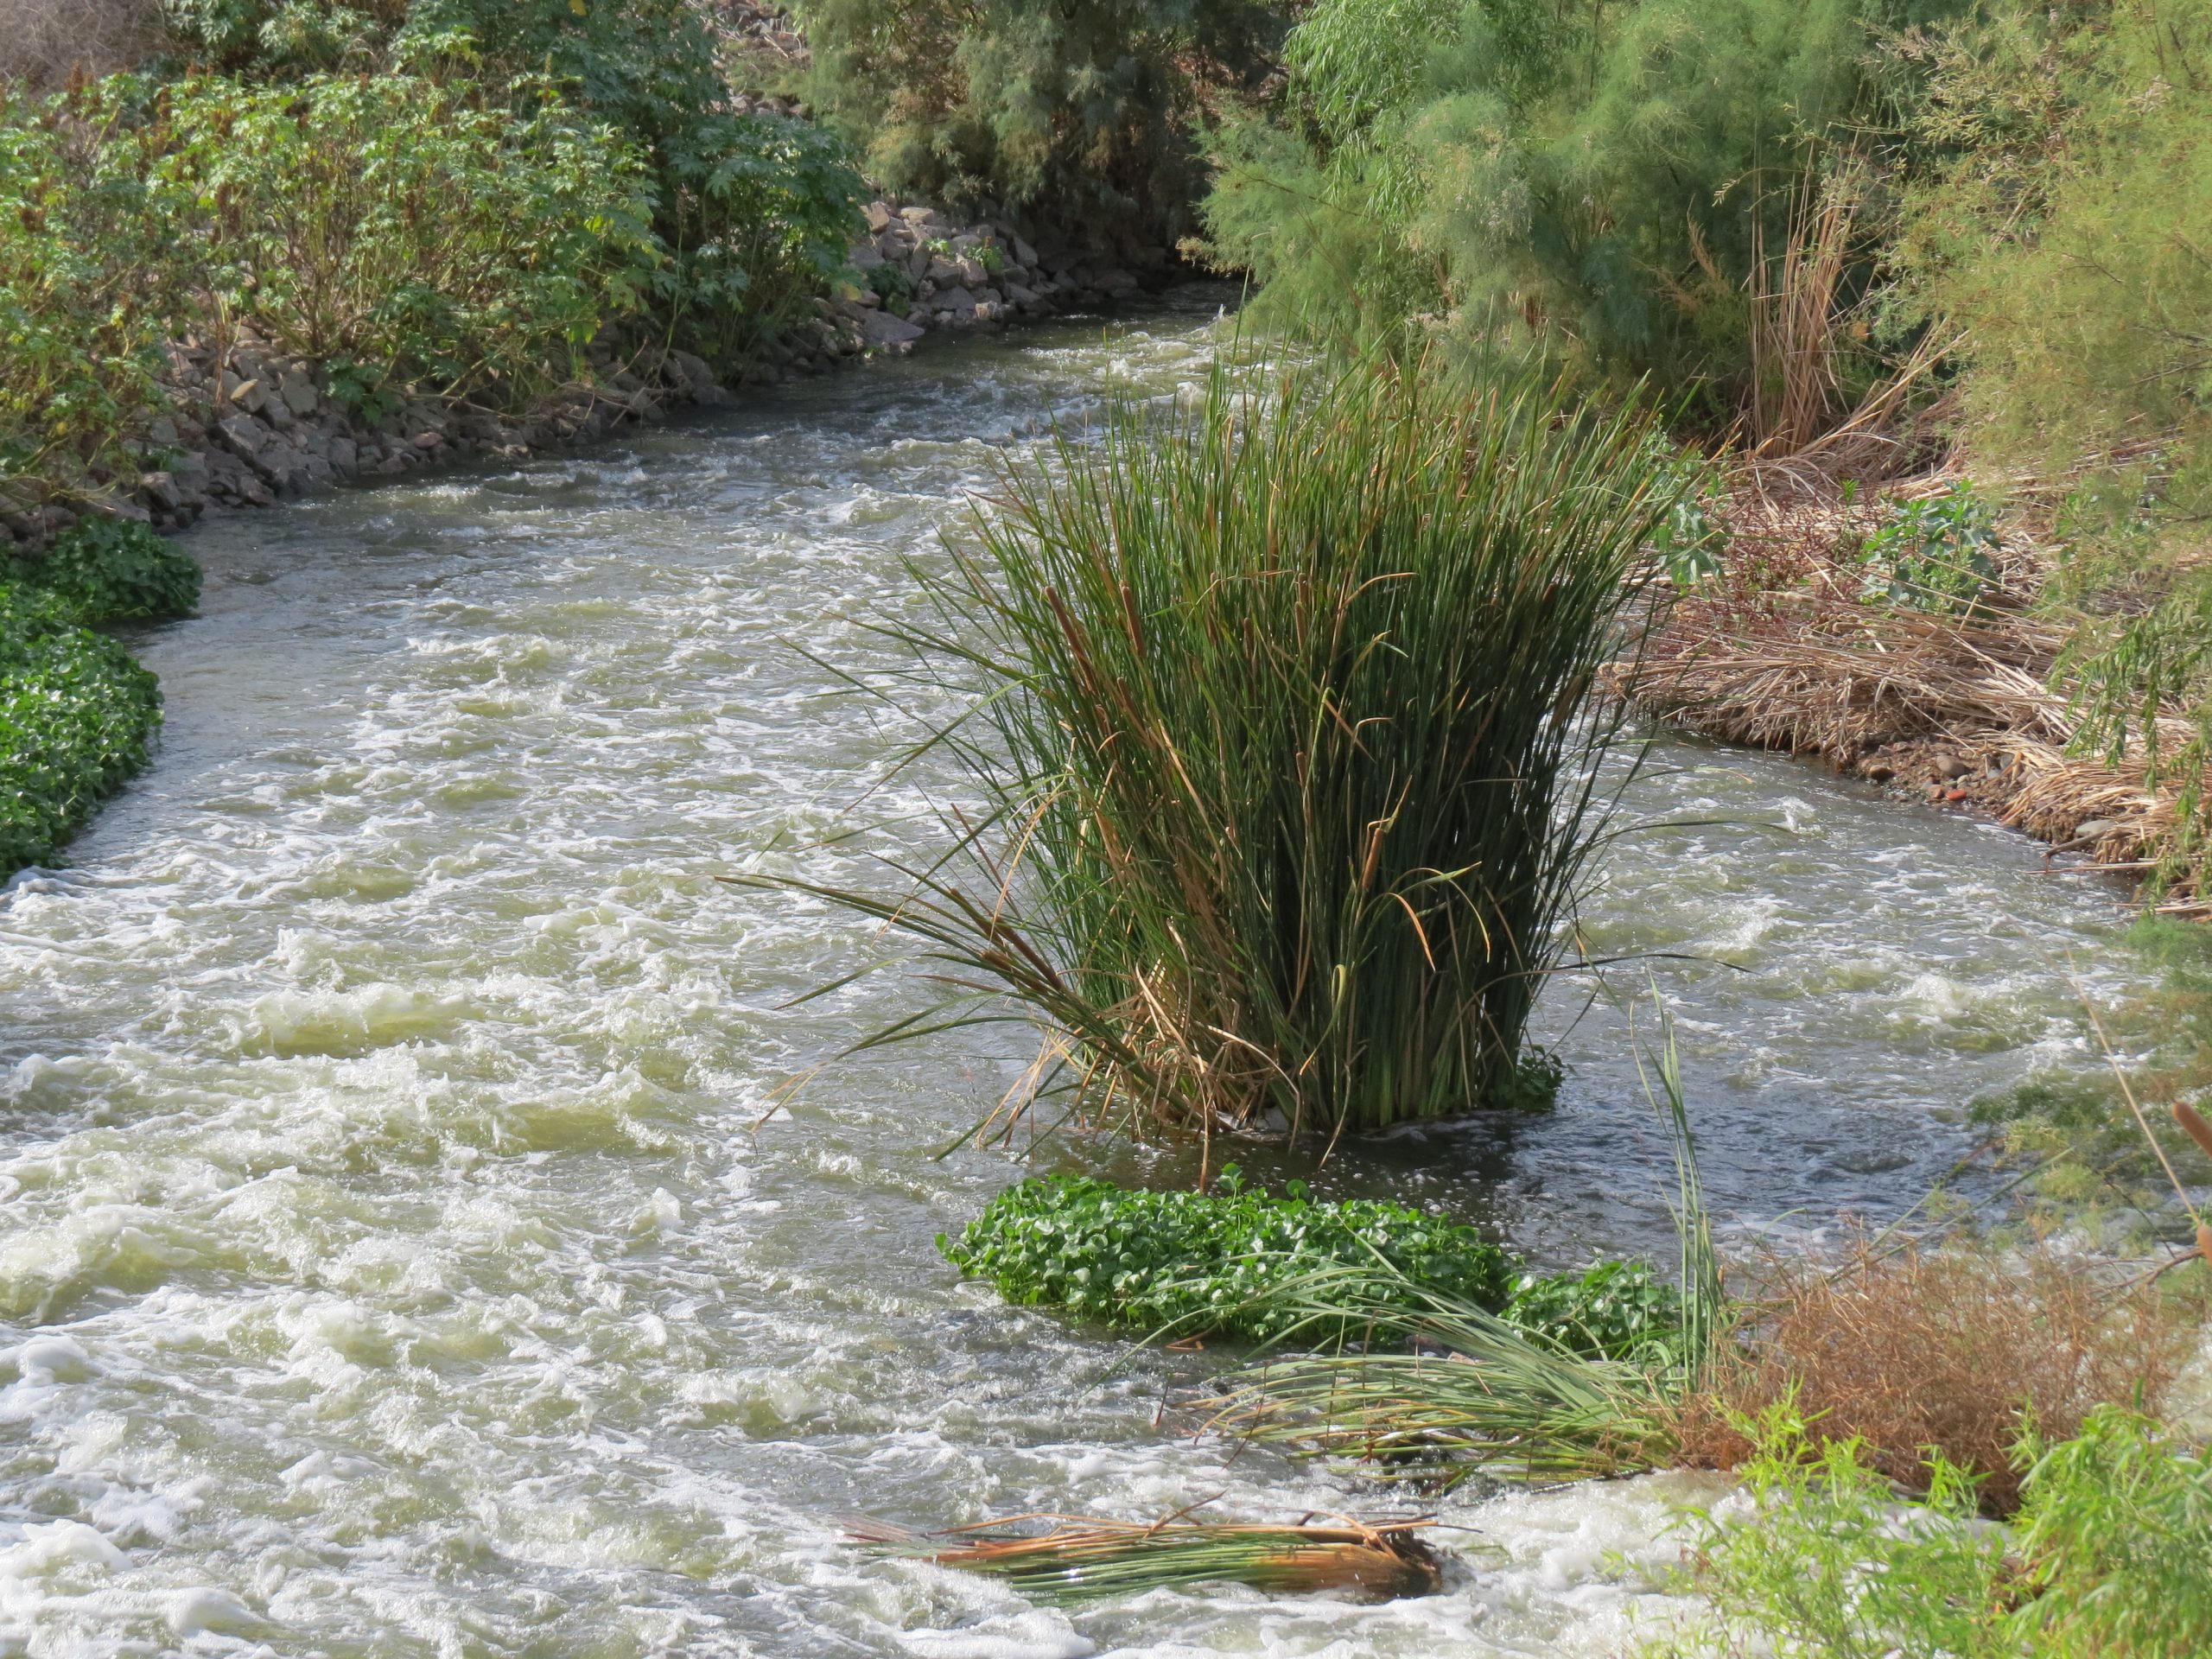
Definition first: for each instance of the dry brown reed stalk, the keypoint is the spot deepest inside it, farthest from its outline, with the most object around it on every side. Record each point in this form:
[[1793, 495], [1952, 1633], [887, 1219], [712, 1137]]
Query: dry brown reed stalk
[[1795, 320], [1802, 323], [1956, 1349], [1080, 1558]]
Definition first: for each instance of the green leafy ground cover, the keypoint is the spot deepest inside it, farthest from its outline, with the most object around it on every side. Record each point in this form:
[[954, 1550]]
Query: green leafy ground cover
[[1194, 1263], [77, 715], [2110, 1555]]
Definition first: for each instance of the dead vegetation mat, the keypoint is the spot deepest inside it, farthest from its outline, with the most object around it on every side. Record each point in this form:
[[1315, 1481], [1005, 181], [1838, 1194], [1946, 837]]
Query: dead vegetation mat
[[1782, 651]]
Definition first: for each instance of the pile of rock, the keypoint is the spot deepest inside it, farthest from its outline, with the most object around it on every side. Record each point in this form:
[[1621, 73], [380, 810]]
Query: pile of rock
[[918, 272]]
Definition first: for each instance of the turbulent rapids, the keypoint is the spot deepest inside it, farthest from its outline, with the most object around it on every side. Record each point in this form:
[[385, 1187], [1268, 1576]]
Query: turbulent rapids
[[403, 1247]]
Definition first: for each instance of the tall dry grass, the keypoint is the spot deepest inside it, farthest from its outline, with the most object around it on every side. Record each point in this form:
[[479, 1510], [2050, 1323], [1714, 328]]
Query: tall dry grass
[[44, 43]]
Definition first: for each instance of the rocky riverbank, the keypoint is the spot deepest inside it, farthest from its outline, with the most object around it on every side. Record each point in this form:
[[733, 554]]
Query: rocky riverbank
[[250, 424]]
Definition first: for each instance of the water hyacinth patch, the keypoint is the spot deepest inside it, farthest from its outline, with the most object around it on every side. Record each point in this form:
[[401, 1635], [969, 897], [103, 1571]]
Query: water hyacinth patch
[[77, 716], [112, 570], [1185, 1263]]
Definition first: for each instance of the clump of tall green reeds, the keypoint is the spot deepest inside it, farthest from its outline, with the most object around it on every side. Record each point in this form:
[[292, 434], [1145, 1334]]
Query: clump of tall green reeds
[[1284, 743]]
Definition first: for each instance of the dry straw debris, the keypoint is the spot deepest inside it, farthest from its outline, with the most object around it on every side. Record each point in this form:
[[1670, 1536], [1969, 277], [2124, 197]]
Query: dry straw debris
[[1782, 651], [44, 43], [1958, 1349]]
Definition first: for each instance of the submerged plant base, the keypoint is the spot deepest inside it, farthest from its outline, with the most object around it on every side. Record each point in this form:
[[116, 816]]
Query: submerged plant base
[[1077, 1558]]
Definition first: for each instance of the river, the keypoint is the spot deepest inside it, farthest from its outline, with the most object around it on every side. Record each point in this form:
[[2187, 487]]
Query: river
[[394, 1257]]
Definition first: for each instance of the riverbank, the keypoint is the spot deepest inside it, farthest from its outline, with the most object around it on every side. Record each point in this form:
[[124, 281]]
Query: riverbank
[[251, 423], [1961, 706]]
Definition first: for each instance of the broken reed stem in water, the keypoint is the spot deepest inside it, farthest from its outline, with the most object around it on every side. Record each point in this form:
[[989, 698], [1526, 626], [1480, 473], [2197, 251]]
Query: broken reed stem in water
[[1081, 1558]]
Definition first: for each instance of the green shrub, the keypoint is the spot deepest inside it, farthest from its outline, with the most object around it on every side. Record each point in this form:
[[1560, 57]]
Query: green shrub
[[1934, 555], [2062, 232], [760, 212], [111, 570], [93, 274], [2111, 1554], [1078, 116], [76, 717], [414, 225], [2064, 238], [1618, 178], [1834, 1565], [894, 286], [745, 215], [1287, 724], [257, 36], [2117, 1535], [1197, 1263], [416, 222]]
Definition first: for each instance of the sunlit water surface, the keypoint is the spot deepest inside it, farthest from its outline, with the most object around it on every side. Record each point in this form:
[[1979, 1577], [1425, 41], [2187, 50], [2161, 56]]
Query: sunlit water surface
[[393, 1259]]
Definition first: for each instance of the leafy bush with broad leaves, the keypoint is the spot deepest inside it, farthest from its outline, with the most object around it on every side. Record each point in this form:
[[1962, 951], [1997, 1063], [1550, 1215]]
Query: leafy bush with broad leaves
[[256, 37], [1079, 114], [1934, 555], [470, 241], [1193, 1263], [758, 212], [738, 217], [111, 570], [422, 225], [92, 281], [77, 716]]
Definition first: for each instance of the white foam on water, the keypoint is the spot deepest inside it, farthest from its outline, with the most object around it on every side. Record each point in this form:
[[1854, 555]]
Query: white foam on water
[[406, 1249]]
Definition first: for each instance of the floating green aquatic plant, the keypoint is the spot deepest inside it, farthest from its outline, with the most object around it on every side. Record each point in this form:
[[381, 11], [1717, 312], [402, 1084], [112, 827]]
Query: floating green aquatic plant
[[76, 717], [1187, 1263], [1442, 1388]]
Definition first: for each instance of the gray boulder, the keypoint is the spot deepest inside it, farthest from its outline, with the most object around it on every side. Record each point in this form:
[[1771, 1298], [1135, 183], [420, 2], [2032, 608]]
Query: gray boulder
[[881, 329]]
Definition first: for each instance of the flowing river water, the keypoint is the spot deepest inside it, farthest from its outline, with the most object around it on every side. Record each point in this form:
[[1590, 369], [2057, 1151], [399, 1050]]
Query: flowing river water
[[394, 1259]]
